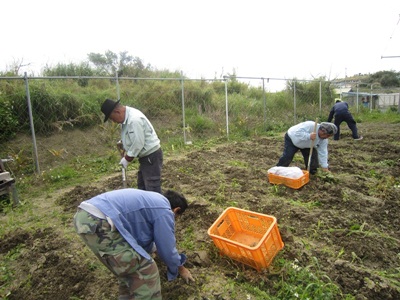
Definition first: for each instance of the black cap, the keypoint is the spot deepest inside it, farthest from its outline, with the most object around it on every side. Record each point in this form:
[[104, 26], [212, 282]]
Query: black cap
[[107, 107]]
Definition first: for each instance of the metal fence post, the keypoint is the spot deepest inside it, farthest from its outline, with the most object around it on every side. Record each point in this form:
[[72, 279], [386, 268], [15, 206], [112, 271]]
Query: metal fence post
[[294, 102], [28, 99], [183, 110], [357, 99], [320, 97], [398, 104], [117, 84], [226, 107], [264, 104]]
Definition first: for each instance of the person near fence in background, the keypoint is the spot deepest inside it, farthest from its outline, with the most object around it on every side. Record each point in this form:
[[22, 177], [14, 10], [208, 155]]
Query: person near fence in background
[[124, 228], [342, 114], [365, 102], [138, 140], [299, 137]]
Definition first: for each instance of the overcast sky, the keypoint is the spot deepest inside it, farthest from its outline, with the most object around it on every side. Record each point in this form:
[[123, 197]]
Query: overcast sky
[[207, 39]]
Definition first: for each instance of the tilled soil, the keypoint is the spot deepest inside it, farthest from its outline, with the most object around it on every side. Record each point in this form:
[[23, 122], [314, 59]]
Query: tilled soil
[[345, 223]]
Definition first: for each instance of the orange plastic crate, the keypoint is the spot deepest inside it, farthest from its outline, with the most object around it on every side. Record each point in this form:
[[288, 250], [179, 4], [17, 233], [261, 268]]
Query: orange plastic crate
[[248, 237], [290, 182]]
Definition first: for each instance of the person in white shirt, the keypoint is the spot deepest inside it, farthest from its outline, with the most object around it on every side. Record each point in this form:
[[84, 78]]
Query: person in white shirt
[[299, 137]]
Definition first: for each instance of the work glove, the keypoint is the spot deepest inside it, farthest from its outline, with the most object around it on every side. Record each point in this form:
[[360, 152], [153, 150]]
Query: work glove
[[124, 163], [185, 274]]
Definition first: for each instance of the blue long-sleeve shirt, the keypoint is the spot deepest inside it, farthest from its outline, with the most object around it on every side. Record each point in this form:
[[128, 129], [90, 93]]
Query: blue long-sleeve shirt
[[143, 218], [340, 108], [300, 136], [138, 135]]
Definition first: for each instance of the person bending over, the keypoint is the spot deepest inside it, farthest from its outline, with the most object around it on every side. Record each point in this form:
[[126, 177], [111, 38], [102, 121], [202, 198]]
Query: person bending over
[[124, 228], [342, 114], [299, 137]]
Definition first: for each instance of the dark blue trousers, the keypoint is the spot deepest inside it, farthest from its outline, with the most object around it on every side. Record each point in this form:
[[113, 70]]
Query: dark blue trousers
[[149, 174], [351, 123], [290, 150]]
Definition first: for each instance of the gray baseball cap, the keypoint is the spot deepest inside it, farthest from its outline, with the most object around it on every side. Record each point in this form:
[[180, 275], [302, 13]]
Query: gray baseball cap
[[329, 128]]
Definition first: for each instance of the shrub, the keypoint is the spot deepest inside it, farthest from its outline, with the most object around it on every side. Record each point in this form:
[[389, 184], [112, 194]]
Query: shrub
[[8, 121], [198, 124]]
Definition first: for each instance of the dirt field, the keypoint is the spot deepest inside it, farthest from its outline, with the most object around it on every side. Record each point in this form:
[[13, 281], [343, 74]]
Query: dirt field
[[344, 225]]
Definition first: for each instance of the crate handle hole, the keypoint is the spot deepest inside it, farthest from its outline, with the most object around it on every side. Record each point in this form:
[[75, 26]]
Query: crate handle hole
[[220, 223]]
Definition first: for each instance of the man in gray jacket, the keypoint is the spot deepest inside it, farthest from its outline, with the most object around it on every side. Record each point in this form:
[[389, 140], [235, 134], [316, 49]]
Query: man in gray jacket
[[299, 137], [138, 140]]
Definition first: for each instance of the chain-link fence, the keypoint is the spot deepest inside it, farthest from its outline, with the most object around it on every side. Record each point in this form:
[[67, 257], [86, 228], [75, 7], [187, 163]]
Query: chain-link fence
[[182, 110], [382, 100]]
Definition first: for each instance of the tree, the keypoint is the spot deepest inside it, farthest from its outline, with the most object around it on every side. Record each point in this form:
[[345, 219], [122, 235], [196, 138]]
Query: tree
[[109, 63], [106, 64], [385, 78], [309, 91], [16, 67]]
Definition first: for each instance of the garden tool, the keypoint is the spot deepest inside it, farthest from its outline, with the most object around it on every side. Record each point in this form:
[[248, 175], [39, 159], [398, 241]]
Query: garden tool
[[312, 146], [123, 170]]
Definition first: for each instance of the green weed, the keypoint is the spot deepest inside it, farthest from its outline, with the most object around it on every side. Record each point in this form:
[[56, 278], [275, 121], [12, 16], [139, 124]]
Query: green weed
[[7, 274], [384, 186], [327, 177], [308, 205], [298, 282], [186, 170], [277, 189], [60, 174], [189, 239], [392, 274], [220, 196], [341, 253], [238, 163]]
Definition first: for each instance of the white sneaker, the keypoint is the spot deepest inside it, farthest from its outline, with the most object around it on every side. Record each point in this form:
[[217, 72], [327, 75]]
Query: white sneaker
[[359, 138]]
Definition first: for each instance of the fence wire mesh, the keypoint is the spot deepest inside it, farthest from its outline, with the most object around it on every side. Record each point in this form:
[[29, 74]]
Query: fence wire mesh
[[181, 110]]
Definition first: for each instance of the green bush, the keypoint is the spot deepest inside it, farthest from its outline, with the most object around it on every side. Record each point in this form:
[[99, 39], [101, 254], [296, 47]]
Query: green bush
[[198, 125], [53, 109], [198, 95], [71, 69], [8, 121]]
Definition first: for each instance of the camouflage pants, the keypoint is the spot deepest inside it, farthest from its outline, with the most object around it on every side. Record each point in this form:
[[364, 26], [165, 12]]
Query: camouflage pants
[[138, 277]]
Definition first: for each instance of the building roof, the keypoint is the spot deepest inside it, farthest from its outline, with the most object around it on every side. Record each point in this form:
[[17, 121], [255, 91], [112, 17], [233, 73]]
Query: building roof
[[342, 90], [359, 93]]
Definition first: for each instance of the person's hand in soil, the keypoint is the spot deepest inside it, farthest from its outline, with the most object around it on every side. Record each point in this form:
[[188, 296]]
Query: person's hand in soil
[[185, 274]]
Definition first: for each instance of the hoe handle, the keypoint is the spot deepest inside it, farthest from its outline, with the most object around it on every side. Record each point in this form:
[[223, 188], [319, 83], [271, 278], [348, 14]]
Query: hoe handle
[[123, 171], [312, 146]]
